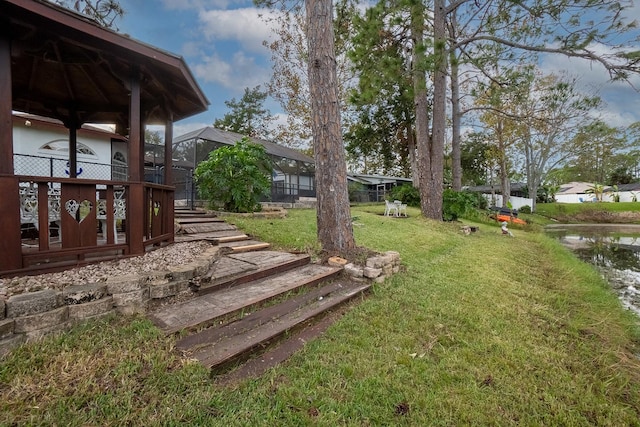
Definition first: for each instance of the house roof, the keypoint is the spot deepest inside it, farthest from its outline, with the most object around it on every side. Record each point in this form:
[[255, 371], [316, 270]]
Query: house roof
[[576, 188], [66, 66], [515, 186], [634, 186], [376, 179], [230, 138]]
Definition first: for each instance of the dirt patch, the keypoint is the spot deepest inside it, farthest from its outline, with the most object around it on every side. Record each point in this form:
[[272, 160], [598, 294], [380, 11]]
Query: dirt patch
[[601, 217]]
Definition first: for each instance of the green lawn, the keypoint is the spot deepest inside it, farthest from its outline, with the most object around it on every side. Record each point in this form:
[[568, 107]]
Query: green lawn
[[554, 209], [477, 330]]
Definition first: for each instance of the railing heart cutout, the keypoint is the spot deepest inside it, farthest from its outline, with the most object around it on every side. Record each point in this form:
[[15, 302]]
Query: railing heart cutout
[[156, 208], [78, 210]]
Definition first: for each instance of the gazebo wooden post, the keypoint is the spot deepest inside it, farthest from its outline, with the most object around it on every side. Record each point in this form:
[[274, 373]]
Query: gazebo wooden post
[[10, 243], [136, 209], [168, 176], [73, 148]]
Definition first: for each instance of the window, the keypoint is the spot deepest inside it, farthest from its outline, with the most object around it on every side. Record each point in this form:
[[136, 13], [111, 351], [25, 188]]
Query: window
[[61, 147], [119, 167]]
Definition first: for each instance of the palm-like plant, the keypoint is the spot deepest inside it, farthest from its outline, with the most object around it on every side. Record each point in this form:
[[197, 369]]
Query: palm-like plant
[[597, 190]]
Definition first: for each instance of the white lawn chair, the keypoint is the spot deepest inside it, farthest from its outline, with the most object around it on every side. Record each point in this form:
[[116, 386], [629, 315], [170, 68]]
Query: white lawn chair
[[402, 208], [390, 207]]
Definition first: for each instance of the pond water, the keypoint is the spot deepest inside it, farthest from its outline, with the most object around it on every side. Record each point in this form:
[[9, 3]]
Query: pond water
[[614, 249]]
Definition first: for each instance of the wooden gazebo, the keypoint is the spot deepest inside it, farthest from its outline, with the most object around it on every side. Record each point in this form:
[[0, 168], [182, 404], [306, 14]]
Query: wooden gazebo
[[59, 64]]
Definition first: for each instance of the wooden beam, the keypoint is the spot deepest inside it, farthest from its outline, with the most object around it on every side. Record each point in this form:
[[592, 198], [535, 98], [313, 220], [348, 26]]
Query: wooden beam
[[169, 201], [10, 243], [6, 120], [137, 205], [73, 150]]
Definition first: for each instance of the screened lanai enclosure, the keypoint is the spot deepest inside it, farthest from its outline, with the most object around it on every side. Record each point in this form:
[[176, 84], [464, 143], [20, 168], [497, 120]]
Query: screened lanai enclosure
[[293, 173]]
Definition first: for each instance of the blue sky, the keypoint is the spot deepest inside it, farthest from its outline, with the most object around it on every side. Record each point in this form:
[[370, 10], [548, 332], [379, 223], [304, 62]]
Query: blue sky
[[220, 40]]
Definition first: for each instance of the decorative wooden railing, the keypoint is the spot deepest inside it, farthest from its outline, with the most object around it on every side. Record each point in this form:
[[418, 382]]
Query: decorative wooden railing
[[60, 216]]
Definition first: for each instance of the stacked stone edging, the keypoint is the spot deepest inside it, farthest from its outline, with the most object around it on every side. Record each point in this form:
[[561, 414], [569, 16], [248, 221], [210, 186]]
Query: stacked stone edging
[[29, 316], [376, 268]]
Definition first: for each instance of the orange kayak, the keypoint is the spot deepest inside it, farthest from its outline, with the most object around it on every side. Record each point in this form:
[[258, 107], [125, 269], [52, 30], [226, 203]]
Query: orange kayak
[[510, 218]]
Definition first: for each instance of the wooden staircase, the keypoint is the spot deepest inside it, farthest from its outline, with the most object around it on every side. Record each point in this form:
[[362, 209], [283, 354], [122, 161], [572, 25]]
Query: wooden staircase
[[252, 301], [197, 225]]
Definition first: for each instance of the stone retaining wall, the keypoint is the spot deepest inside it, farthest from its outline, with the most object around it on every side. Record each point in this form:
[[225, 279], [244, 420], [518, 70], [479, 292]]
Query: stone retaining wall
[[32, 315], [29, 316], [376, 268]]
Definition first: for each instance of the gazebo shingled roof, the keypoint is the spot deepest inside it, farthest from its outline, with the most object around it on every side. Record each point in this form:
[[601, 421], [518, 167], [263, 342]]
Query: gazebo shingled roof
[[68, 67]]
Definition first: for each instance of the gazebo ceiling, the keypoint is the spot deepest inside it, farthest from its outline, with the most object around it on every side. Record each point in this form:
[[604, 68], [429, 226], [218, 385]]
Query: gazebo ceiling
[[65, 66]]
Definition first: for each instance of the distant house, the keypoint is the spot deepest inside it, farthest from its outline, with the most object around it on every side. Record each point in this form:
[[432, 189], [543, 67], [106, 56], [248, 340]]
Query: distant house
[[374, 187], [575, 192], [518, 189], [293, 172], [626, 192], [493, 193], [580, 192]]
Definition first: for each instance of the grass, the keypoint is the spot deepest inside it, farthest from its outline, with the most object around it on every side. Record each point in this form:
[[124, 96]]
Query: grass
[[478, 330], [557, 209]]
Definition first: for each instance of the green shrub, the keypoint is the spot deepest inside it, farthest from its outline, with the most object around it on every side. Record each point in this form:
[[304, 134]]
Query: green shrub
[[456, 204], [525, 209], [235, 176], [406, 193]]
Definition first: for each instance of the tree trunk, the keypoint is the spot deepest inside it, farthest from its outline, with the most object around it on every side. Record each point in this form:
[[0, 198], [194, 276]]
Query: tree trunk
[[456, 115], [434, 182], [420, 105], [504, 167], [456, 162], [335, 231], [532, 182], [413, 158]]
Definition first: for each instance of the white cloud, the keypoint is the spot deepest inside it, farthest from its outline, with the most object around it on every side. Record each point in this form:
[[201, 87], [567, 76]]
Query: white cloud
[[622, 98], [180, 129], [242, 25], [194, 4], [242, 71], [191, 49]]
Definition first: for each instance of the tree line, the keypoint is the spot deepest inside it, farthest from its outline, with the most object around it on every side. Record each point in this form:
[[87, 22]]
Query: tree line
[[388, 86]]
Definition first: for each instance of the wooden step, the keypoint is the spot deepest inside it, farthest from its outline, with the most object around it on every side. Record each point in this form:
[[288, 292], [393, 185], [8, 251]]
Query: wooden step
[[214, 334], [245, 246], [198, 220], [206, 227], [204, 310], [281, 350], [181, 213], [232, 346], [235, 269], [228, 239], [212, 236]]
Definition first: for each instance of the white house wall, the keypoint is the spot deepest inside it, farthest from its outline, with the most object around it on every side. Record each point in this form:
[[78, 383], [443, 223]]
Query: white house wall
[[573, 198], [625, 196], [516, 202], [27, 140]]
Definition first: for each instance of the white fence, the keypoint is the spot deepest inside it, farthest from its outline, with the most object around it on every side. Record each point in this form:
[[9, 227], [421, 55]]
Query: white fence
[[516, 202]]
